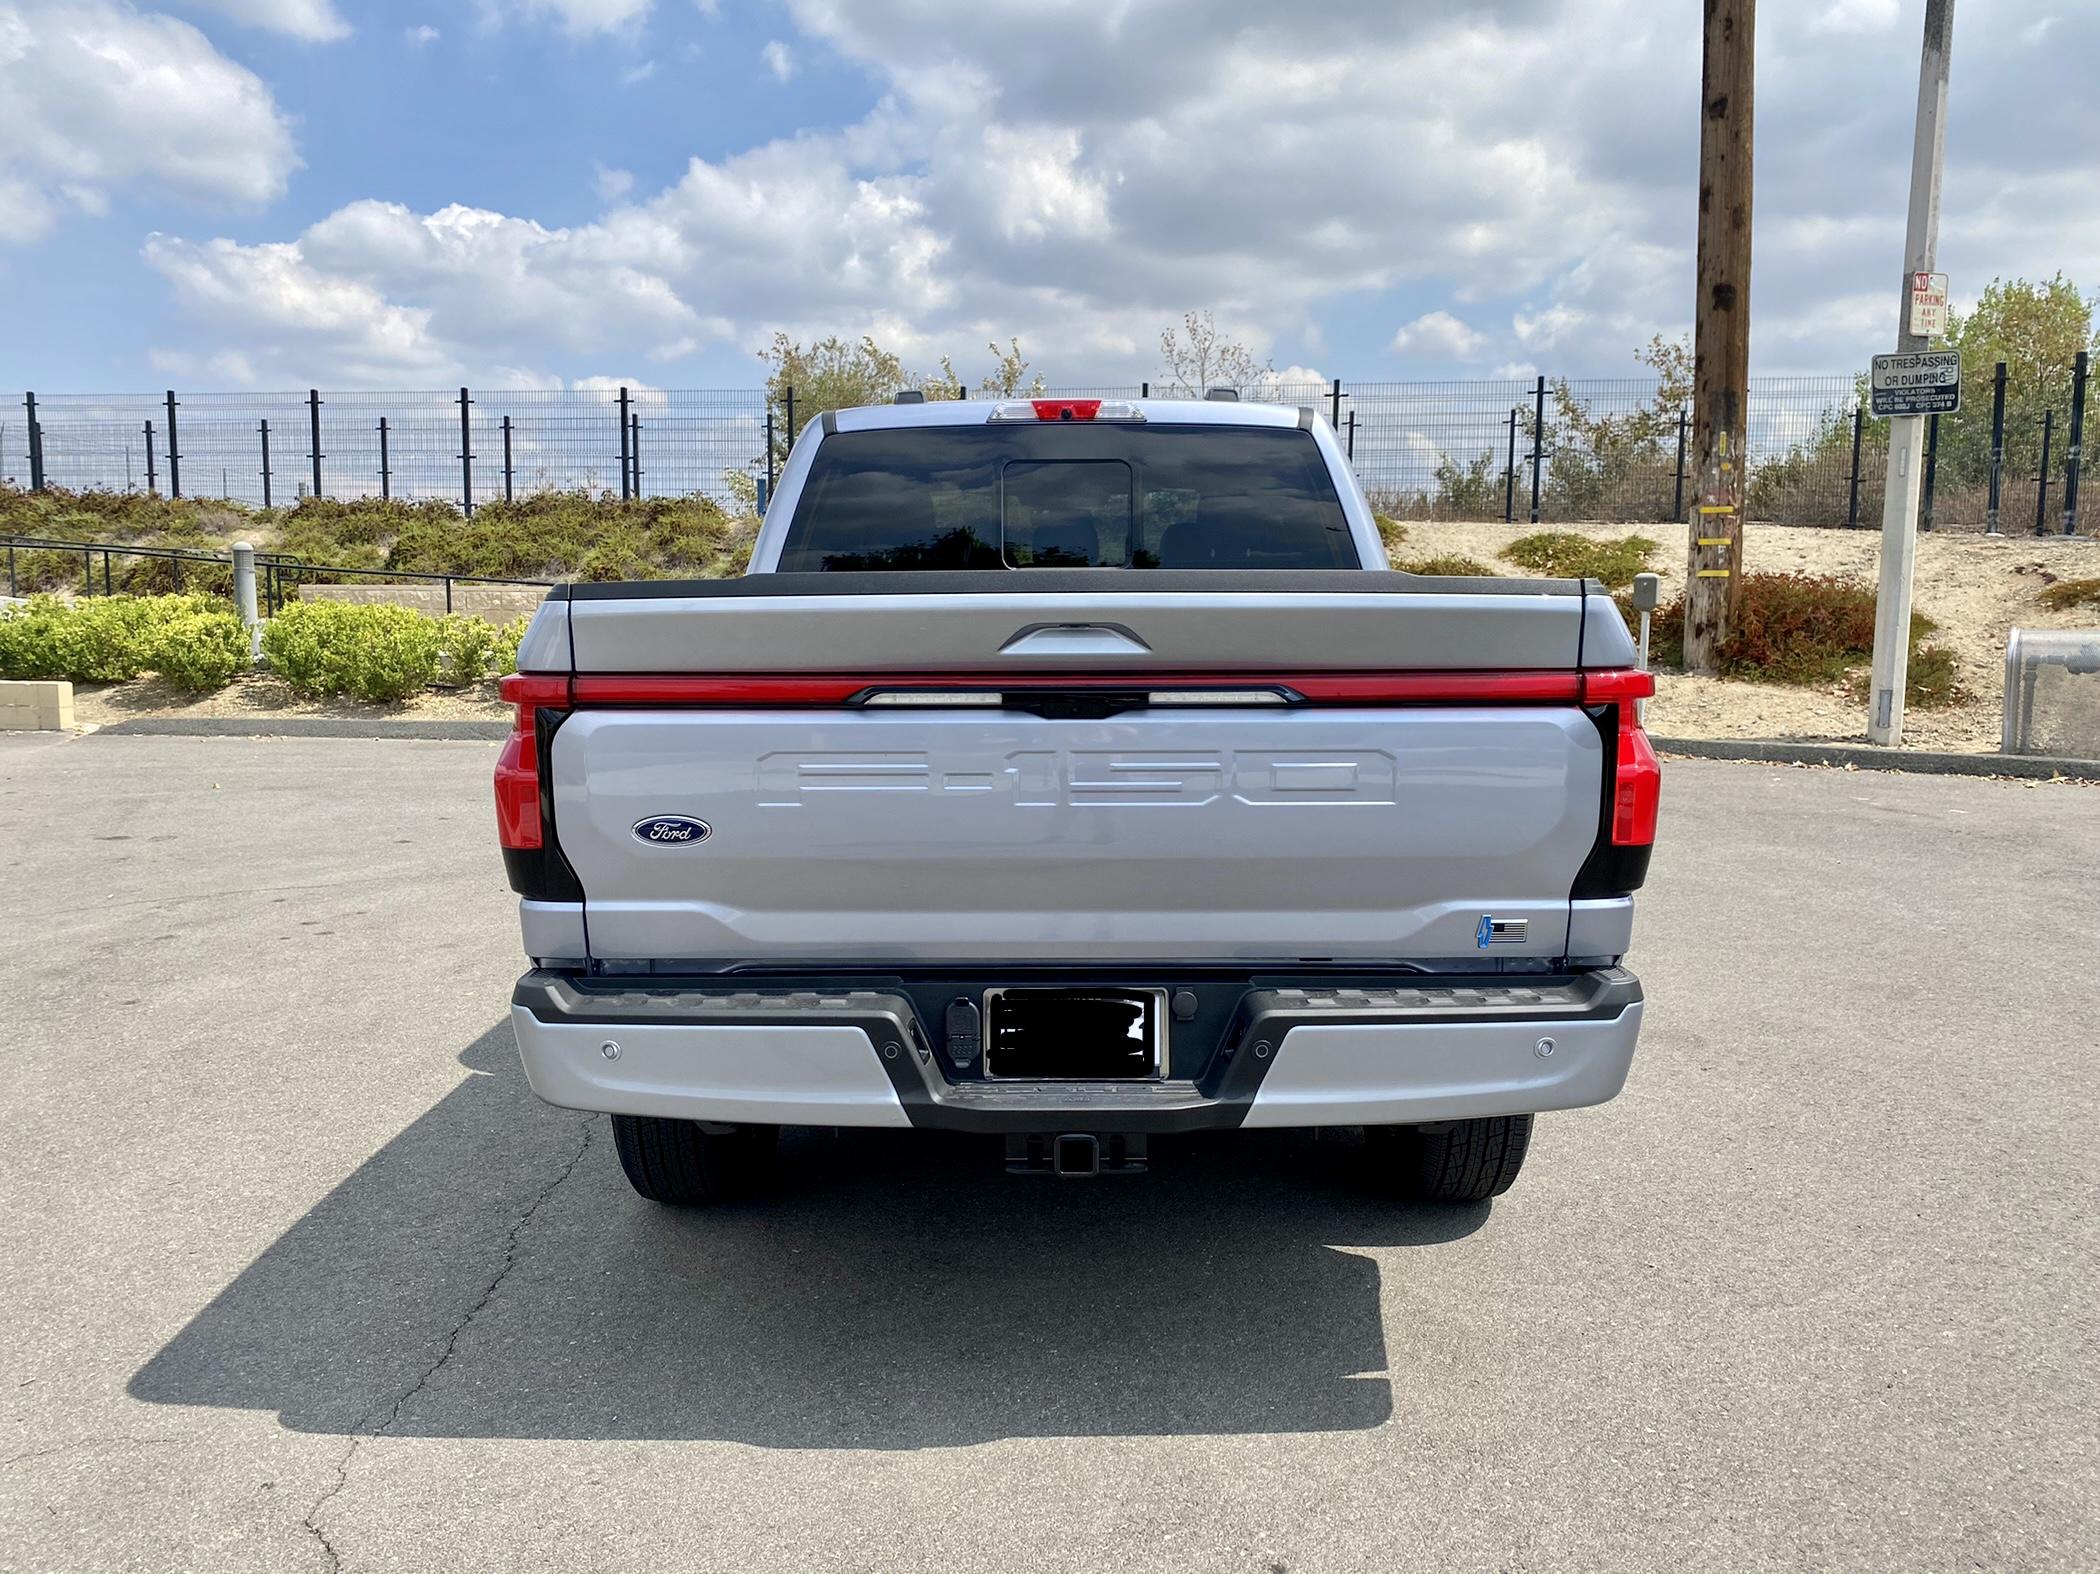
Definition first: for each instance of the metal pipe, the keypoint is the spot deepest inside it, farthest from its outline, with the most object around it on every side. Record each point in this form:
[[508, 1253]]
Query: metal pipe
[[1509, 470], [1859, 424], [626, 474], [1997, 449], [1684, 418], [466, 472], [174, 451], [2071, 453], [1538, 443], [2041, 476], [36, 445]]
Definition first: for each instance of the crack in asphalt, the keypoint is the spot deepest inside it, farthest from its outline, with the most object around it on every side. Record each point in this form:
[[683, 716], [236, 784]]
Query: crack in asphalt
[[361, 1432], [85, 1442]]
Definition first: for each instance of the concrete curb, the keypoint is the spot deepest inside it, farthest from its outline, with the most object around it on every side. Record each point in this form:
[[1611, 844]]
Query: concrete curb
[[305, 727], [1869, 758]]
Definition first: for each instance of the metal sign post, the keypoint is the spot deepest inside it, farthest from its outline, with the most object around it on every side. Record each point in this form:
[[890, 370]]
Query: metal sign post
[[1916, 386]]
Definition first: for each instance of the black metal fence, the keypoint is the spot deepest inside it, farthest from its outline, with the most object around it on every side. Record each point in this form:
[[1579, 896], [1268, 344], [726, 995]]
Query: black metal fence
[[145, 569], [1549, 449]]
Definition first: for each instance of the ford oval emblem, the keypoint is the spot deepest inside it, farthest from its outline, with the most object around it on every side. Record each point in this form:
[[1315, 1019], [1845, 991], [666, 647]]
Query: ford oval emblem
[[671, 830]]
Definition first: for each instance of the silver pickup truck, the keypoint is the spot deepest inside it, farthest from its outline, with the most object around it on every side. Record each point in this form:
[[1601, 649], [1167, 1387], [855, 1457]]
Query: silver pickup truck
[[1076, 772]]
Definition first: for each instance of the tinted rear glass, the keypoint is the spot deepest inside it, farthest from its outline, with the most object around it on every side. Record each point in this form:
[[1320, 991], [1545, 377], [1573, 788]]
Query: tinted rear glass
[[1069, 495]]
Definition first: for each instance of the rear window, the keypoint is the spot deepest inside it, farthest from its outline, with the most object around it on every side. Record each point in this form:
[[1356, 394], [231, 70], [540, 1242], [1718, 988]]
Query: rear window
[[1068, 495]]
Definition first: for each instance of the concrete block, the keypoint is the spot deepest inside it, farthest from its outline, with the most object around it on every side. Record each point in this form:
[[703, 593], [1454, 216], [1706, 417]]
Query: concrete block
[[35, 706]]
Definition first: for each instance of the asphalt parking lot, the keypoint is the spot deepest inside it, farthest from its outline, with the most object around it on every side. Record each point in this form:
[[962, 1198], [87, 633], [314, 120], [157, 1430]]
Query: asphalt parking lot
[[300, 1276]]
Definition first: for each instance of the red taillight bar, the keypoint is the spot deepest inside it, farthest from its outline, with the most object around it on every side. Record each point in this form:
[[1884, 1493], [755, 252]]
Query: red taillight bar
[[1066, 409], [1364, 688]]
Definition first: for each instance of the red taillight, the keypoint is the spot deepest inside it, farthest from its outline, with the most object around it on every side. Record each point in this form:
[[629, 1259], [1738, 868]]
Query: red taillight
[[1066, 409], [1637, 783], [1638, 792], [518, 765]]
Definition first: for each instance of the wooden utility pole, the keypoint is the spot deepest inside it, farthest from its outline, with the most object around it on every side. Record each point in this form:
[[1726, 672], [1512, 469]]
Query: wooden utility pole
[[1899, 511], [1721, 338]]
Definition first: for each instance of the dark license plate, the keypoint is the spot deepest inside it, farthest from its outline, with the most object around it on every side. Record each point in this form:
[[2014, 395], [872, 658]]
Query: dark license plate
[[1074, 1034]]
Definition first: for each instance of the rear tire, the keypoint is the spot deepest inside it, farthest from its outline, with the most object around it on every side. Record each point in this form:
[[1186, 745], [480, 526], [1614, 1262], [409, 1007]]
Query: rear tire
[[1450, 1161], [682, 1163]]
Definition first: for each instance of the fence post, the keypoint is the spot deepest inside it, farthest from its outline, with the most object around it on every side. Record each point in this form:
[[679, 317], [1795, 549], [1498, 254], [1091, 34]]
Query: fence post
[[506, 459], [2071, 453], [634, 450], [1932, 468], [466, 474], [264, 427], [788, 397], [313, 434], [152, 480], [174, 451], [769, 455], [244, 595], [1509, 470], [1335, 401], [1859, 425], [1683, 420], [626, 474], [2041, 477], [386, 480], [1997, 449], [1352, 435], [1144, 390], [1538, 442], [36, 445]]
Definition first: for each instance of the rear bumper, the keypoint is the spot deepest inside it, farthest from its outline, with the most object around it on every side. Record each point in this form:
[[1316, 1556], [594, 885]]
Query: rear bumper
[[1422, 1049]]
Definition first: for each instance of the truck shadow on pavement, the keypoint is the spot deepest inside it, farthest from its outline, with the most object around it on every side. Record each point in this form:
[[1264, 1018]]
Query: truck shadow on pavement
[[489, 1274]]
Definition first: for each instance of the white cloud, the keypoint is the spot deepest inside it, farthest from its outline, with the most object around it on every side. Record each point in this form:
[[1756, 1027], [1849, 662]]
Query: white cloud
[[1544, 329], [1437, 336], [420, 35], [573, 16], [100, 96], [1856, 16], [612, 184], [316, 21], [640, 73], [1037, 187], [1080, 175]]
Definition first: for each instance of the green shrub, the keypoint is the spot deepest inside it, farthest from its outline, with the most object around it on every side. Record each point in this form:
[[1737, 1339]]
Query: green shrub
[[376, 652], [119, 516], [201, 650], [1565, 554], [1800, 629], [2068, 593], [503, 659], [1391, 531], [465, 644], [1447, 564], [103, 639]]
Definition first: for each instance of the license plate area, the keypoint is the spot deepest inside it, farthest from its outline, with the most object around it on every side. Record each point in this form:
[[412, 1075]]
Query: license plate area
[[1074, 1035]]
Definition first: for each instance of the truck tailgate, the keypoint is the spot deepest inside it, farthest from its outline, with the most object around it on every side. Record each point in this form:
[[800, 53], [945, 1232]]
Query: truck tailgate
[[1257, 832]]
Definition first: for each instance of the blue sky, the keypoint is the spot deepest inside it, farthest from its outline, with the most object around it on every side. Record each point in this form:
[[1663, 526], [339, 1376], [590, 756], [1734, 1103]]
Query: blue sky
[[274, 193]]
